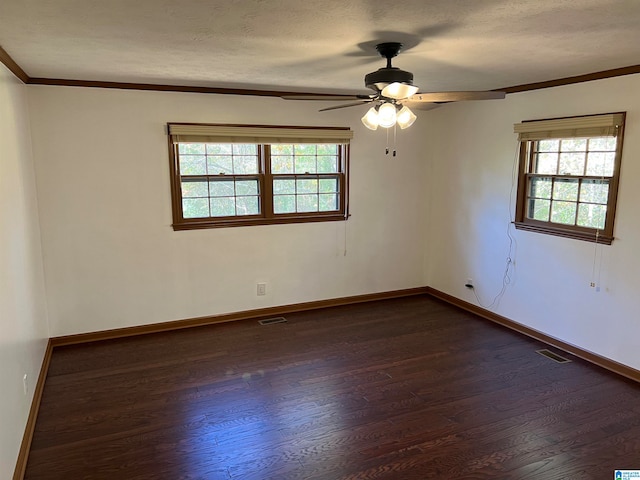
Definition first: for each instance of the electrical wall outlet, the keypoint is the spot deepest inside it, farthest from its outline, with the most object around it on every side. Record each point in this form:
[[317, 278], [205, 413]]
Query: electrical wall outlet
[[469, 283], [262, 289]]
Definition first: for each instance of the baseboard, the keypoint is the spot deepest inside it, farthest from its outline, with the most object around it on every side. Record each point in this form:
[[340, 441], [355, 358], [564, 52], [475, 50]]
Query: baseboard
[[229, 317], [23, 454], [579, 352]]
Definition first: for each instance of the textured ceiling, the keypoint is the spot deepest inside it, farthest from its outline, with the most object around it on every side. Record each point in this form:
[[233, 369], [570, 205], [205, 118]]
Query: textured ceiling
[[319, 46]]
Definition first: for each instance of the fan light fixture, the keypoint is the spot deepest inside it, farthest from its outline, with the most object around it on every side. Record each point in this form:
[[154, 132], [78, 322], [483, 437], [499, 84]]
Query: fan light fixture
[[370, 119], [405, 117], [387, 115], [399, 91]]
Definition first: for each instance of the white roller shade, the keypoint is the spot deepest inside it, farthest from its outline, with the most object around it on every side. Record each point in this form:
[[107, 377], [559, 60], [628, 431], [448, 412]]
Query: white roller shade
[[605, 125], [212, 133]]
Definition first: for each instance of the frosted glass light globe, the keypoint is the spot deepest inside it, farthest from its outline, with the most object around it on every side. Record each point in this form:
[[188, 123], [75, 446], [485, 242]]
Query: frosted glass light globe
[[370, 119], [387, 115]]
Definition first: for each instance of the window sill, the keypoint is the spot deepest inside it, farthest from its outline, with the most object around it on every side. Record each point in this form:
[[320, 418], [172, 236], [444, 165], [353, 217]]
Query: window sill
[[207, 223], [565, 232]]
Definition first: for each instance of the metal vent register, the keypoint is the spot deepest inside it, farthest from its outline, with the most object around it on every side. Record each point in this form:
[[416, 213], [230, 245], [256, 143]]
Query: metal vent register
[[553, 356], [271, 321]]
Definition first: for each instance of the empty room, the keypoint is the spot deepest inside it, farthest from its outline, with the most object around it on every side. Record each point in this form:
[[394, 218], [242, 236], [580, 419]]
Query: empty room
[[320, 240]]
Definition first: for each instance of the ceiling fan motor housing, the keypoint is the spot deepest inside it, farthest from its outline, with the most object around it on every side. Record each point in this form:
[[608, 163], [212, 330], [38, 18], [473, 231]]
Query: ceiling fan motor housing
[[387, 75], [384, 76]]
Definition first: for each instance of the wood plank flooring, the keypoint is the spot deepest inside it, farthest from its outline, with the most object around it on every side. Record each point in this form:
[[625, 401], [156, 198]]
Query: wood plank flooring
[[399, 389]]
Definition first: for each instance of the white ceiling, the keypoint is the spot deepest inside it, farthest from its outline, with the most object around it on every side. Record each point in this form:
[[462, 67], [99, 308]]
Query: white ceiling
[[320, 45]]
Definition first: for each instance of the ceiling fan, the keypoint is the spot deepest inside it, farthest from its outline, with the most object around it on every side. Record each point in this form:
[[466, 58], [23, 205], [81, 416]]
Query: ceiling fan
[[394, 94]]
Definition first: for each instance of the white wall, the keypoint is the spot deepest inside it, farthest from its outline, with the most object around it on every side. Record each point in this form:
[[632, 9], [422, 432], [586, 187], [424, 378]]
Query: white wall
[[23, 318], [112, 259], [472, 149]]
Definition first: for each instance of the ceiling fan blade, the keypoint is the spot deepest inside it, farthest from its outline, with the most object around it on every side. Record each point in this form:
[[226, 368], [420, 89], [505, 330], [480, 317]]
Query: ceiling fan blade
[[455, 96], [334, 98], [345, 105], [420, 105]]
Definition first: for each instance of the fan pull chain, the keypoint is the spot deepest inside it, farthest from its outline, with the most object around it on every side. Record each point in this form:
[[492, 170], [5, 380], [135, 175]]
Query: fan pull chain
[[394, 139], [386, 152]]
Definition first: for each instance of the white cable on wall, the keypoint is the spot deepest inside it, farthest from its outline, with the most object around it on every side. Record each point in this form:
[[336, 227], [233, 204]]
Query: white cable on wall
[[509, 262]]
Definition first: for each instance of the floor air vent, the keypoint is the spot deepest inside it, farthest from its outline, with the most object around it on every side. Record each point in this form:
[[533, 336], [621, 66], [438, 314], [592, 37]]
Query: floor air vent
[[553, 356], [271, 321]]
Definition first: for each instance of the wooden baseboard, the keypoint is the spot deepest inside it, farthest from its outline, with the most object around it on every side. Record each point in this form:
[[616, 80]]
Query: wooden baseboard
[[579, 352], [229, 317], [23, 454]]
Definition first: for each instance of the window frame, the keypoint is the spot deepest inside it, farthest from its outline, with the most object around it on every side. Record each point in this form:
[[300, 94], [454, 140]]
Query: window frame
[[265, 181], [526, 164]]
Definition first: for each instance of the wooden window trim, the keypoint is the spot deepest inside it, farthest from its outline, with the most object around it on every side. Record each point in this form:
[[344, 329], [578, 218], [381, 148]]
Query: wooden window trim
[[266, 217], [522, 222]]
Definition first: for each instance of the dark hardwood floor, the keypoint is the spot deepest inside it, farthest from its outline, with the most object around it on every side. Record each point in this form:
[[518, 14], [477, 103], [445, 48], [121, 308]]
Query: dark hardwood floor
[[400, 389]]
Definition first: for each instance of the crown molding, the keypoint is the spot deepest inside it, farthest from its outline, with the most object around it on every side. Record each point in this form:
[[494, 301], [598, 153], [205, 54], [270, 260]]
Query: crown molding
[[588, 77], [166, 88], [6, 59]]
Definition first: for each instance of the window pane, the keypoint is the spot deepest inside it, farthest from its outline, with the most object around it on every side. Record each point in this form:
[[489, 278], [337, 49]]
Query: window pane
[[217, 164], [307, 203], [571, 164], [195, 207], [549, 145], [563, 212], [600, 164], [305, 164], [547, 163], [594, 191], [307, 149], [281, 149], [539, 209], [223, 207], [328, 185], [306, 186], [247, 206], [246, 187], [592, 216], [284, 186], [191, 189], [219, 149], [328, 202], [327, 149], [245, 149], [221, 188], [565, 189], [327, 164], [193, 165], [244, 165], [191, 148], [284, 203], [281, 164], [573, 145], [540, 187], [603, 143]]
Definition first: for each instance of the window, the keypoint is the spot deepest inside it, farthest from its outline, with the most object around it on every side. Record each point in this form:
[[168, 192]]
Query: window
[[231, 175], [568, 176]]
